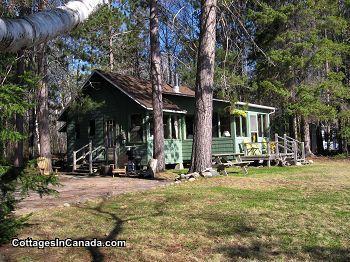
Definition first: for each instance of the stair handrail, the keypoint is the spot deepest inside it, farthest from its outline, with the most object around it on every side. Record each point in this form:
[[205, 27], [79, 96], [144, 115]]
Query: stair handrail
[[83, 156], [76, 151], [97, 149]]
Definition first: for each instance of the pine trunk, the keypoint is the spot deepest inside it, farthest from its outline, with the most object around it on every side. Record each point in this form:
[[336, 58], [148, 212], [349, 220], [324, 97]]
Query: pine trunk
[[43, 108], [293, 126], [320, 148], [18, 159], [307, 140], [157, 99], [201, 148]]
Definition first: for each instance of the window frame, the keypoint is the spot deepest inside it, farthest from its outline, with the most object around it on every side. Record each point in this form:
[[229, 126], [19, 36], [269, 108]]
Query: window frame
[[243, 132], [94, 128], [141, 129]]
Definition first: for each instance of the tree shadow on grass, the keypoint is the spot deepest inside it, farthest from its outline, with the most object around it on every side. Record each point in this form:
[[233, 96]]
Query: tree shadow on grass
[[95, 252], [328, 253], [256, 251], [259, 250], [242, 226]]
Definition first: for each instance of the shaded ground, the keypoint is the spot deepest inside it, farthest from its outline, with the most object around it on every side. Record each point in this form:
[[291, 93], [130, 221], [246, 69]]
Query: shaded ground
[[280, 214], [77, 189]]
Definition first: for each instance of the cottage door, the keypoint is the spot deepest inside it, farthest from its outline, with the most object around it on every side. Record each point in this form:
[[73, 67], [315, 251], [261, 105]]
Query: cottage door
[[110, 133]]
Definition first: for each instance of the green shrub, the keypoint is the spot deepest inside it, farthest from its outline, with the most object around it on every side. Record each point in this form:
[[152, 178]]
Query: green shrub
[[15, 185]]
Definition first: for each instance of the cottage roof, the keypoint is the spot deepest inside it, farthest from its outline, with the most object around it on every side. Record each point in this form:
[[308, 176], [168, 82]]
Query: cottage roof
[[141, 90]]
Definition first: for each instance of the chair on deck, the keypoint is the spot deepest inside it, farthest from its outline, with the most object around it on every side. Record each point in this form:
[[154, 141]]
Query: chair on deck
[[252, 149]]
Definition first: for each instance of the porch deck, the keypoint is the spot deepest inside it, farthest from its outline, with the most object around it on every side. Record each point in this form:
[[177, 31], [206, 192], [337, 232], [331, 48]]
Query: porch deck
[[282, 150]]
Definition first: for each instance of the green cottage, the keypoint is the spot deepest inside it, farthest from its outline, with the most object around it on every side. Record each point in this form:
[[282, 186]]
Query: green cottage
[[123, 120]]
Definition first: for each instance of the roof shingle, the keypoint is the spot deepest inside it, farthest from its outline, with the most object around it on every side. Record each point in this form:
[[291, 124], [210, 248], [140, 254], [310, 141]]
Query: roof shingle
[[141, 89]]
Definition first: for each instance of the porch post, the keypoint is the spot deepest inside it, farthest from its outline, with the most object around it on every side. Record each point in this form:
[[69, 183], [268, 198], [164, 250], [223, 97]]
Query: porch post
[[169, 127], [219, 125], [303, 150], [90, 157], [74, 161], [115, 157], [176, 126], [184, 127], [277, 147], [268, 154], [295, 145]]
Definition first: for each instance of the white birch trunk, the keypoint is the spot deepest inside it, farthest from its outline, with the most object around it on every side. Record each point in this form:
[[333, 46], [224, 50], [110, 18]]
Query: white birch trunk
[[21, 33]]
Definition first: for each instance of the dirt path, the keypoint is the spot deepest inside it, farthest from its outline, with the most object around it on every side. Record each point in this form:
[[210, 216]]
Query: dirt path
[[78, 189]]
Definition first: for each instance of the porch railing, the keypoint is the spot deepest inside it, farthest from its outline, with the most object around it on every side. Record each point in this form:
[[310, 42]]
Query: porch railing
[[93, 154], [280, 147]]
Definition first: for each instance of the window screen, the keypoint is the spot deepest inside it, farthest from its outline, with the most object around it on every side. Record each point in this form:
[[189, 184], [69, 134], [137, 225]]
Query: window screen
[[225, 126], [215, 123], [253, 123], [136, 128], [92, 128], [244, 126], [189, 119], [260, 125], [238, 125]]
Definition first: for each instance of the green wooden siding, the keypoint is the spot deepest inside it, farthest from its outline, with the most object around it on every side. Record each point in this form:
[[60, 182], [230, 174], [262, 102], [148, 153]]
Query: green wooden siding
[[172, 150], [220, 145], [119, 107]]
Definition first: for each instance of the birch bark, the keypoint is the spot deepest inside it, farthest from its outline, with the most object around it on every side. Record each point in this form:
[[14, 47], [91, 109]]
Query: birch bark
[[32, 30]]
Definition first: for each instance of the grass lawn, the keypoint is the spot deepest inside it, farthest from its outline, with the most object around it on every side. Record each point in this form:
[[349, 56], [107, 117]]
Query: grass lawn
[[291, 213]]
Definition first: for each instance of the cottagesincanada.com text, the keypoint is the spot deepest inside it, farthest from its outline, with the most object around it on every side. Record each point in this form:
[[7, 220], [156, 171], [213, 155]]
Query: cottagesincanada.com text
[[68, 242]]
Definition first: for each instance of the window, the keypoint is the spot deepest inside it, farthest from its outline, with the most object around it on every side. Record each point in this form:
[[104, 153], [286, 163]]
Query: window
[[253, 128], [263, 126], [244, 126], [167, 127], [175, 127], [215, 123], [189, 120], [136, 129], [225, 126], [260, 125], [266, 126], [77, 130], [238, 125], [110, 132], [171, 125], [241, 126], [92, 128]]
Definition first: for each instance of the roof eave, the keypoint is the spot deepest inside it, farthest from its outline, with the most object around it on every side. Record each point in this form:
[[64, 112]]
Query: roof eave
[[256, 106]]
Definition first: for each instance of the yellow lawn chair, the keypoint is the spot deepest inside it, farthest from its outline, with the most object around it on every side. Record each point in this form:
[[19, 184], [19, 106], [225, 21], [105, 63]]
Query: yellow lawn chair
[[252, 149]]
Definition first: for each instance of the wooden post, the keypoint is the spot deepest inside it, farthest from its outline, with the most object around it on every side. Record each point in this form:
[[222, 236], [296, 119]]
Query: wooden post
[[285, 143], [303, 150], [184, 131], [90, 157], [268, 154], [170, 130], [115, 157], [295, 145], [276, 145], [106, 154], [74, 161]]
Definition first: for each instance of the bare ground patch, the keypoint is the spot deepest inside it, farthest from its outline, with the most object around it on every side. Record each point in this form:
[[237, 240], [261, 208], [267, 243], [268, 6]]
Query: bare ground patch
[[77, 189]]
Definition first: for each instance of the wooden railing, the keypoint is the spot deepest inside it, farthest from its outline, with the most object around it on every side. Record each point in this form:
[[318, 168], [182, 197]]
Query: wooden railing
[[290, 145], [93, 154], [85, 151], [281, 147]]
